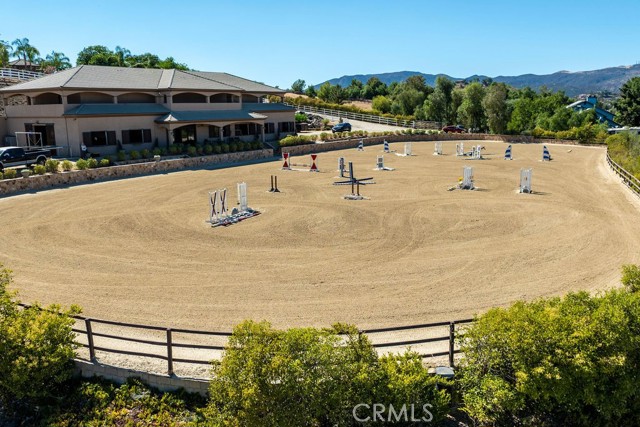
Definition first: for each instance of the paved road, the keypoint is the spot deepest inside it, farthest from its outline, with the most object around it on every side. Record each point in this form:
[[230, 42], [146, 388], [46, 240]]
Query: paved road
[[357, 125]]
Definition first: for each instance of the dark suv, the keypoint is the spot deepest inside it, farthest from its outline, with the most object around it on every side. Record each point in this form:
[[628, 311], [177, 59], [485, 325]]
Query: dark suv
[[454, 129], [341, 127]]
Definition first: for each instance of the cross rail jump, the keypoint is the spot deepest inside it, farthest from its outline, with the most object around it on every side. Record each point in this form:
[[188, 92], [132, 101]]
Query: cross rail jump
[[287, 163]]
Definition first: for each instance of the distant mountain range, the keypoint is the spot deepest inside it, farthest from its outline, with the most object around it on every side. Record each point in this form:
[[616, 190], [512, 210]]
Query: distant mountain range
[[573, 83]]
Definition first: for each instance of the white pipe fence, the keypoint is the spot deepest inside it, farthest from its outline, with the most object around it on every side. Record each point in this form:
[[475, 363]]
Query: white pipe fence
[[371, 118], [12, 73]]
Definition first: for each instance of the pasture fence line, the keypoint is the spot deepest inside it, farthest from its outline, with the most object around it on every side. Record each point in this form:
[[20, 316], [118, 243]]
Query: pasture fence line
[[430, 333], [632, 182], [370, 118]]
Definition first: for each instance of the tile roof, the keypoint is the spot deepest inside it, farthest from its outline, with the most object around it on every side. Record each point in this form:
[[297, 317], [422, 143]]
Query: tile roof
[[116, 109], [121, 78], [208, 116]]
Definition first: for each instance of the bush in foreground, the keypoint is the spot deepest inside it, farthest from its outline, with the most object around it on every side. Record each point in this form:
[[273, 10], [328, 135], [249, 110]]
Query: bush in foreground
[[36, 350], [313, 377], [559, 361]]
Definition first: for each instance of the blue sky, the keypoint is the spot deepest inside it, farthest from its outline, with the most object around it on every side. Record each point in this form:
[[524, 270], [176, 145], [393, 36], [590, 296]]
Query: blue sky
[[277, 42]]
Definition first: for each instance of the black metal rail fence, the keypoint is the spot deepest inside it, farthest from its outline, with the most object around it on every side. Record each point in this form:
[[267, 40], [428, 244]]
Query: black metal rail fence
[[196, 347]]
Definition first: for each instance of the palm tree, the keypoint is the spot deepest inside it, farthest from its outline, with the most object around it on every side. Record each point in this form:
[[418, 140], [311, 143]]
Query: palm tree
[[33, 55], [57, 61], [122, 54], [21, 47]]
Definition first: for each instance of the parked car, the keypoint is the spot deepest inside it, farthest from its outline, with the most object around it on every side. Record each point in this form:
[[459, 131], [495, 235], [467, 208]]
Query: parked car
[[19, 157], [454, 129], [341, 127]]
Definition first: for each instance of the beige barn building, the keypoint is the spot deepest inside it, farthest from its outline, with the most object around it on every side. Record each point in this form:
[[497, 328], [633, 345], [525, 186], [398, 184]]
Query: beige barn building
[[113, 108]]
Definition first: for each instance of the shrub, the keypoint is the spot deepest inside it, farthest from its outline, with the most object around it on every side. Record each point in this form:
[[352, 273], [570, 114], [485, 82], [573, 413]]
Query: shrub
[[10, 173], [323, 136], [311, 377], [208, 149], [81, 164], [191, 150], [92, 163], [135, 155], [121, 155], [145, 154], [36, 348], [292, 140], [104, 163], [51, 165], [256, 145], [67, 165], [157, 152], [560, 361], [631, 277], [217, 149], [301, 117], [173, 149], [233, 147], [224, 148], [39, 169]]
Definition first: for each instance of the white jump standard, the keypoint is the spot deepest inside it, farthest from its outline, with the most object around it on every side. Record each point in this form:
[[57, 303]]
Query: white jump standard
[[380, 165], [437, 149], [466, 183], [407, 150], [525, 181]]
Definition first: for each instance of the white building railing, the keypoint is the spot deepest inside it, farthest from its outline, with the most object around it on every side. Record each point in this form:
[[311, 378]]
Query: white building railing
[[12, 73]]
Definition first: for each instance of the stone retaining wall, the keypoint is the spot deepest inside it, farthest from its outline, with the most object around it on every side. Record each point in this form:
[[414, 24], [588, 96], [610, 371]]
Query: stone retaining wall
[[63, 179], [87, 369], [353, 141]]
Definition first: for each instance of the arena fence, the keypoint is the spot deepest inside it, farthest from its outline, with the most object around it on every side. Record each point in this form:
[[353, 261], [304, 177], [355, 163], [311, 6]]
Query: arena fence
[[430, 340], [627, 178]]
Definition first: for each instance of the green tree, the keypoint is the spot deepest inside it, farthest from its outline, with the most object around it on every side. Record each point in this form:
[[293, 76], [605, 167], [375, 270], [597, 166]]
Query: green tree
[[408, 100], [330, 93], [418, 83], [471, 111], [438, 106], [381, 103], [311, 91], [374, 87], [5, 52], [496, 107], [36, 348], [170, 64], [57, 61], [96, 55], [298, 86], [628, 104], [354, 90]]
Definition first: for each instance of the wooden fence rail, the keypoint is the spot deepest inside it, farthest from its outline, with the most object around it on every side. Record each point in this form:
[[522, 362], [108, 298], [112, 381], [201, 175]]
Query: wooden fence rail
[[14, 74], [627, 178], [88, 334]]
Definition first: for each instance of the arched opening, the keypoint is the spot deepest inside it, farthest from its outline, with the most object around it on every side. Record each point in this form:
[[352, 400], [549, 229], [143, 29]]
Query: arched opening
[[47, 99], [136, 98], [224, 98], [185, 135], [248, 99], [189, 98], [89, 98], [19, 100]]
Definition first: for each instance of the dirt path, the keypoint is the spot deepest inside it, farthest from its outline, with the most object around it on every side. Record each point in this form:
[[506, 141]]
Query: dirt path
[[138, 250]]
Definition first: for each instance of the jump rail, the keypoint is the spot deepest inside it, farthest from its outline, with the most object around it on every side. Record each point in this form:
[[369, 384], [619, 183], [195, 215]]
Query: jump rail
[[371, 118], [168, 344], [632, 182]]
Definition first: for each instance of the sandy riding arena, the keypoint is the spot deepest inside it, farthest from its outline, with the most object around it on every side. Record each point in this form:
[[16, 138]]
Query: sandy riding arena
[[139, 250]]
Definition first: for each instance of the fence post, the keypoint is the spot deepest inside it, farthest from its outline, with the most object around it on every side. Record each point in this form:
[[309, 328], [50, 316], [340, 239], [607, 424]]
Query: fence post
[[169, 353], [452, 333], [92, 349]]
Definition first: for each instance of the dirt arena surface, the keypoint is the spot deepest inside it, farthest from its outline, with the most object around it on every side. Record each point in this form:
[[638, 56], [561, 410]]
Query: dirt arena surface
[[139, 250]]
